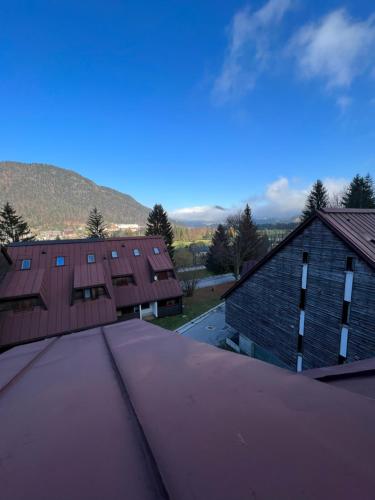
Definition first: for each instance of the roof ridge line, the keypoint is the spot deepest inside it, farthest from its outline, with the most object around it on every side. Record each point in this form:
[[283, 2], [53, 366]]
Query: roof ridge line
[[151, 463], [28, 365]]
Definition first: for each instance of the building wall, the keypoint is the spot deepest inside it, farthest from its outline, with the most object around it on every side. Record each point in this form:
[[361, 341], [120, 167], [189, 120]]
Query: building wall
[[266, 306], [4, 265]]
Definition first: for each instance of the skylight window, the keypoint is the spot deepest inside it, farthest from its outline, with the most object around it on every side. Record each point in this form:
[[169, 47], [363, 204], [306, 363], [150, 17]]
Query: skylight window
[[114, 254], [136, 252], [60, 261], [156, 250], [26, 264], [90, 258]]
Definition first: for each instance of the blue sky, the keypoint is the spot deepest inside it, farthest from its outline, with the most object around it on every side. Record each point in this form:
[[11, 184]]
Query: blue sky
[[192, 103]]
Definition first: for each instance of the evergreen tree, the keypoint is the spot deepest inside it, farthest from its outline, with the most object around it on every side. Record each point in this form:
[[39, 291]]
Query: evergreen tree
[[360, 193], [249, 237], [218, 254], [317, 199], [12, 226], [95, 226], [159, 225], [245, 242]]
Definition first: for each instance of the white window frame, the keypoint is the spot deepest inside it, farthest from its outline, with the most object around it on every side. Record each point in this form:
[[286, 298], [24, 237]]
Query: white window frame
[[89, 261]]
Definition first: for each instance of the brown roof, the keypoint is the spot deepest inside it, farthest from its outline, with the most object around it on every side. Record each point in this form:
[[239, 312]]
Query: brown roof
[[62, 315], [358, 376], [160, 262], [355, 226], [87, 275], [133, 411]]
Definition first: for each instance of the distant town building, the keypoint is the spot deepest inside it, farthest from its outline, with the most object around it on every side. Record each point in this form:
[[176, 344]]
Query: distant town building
[[57, 287], [310, 302], [128, 227]]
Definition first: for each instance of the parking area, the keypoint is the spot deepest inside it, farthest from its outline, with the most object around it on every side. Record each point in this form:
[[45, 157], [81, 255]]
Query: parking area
[[209, 327]]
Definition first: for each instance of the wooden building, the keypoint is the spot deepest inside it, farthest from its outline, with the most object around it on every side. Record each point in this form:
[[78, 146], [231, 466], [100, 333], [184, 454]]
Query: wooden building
[[310, 302]]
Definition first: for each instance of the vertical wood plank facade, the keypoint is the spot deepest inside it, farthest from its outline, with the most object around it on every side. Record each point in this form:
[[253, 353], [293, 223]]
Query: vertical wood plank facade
[[265, 307]]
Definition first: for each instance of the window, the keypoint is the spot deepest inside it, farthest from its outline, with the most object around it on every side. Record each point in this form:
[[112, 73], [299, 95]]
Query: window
[[136, 252], [19, 305], [87, 293], [97, 291], [305, 257], [345, 312], [26, 264], [114, 254], [156, 250], [123, 281], [163, 275], [299, 362], [168, 303], [349, 264], [90, 258], [60, 261], [342, 359], [302, 301], [300, 343]]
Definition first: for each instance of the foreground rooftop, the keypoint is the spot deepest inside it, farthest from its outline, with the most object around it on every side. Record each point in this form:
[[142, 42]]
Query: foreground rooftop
[[133, 411]]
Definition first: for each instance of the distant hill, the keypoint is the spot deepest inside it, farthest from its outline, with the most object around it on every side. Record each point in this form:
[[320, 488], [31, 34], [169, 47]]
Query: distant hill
[[49, 197]]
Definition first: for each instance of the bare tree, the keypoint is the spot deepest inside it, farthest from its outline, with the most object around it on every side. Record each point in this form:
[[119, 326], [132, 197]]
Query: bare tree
[[189, 284]]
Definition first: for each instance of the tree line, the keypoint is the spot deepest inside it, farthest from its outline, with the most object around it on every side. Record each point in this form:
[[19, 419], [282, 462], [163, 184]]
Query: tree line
[[13, 228], [359, 194], [236, 241]]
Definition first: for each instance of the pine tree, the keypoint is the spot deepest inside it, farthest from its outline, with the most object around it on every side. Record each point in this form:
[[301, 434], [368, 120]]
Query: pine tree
[[360, 193], [218, 253], [95, 226], [159, 225], [12, 226], [317, 199], [249, 237], [245, 242]]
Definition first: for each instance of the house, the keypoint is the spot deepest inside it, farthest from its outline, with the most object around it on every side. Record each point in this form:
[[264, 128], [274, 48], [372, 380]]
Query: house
[[310, 302], [132, 411], [62, 286], [5, 262]]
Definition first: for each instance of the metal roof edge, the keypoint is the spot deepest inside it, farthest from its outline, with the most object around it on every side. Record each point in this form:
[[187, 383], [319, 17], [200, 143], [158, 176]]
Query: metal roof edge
[[79, 240], [339, 234]]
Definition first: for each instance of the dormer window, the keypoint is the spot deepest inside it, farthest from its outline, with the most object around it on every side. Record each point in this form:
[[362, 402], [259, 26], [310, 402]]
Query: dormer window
[[164, 275], [136, 252], [87, 293], [114, 254], [90, 258], [60, 261], [26, 264], [156, 250]]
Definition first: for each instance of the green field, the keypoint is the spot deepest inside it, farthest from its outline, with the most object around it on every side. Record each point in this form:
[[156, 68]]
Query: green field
[[203, 300]]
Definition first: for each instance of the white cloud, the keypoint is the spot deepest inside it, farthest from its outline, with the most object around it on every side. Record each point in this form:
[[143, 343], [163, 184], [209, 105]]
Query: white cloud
[[336, 49], [285, 198], [248, 49], [206, 214], [282, 199]]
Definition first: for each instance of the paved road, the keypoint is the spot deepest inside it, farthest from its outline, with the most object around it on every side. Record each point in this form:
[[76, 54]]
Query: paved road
[[209, 328], [215, 280], [191, 268]]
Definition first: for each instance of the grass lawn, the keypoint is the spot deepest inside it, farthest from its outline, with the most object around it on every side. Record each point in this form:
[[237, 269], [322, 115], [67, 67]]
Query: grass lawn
[[202, 301]]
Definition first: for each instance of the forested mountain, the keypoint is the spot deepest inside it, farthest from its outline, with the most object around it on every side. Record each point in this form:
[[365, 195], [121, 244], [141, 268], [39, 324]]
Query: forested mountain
[[49, 197]]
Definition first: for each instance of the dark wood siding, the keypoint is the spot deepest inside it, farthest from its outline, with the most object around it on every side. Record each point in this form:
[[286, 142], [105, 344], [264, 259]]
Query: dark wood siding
[[266, 306]]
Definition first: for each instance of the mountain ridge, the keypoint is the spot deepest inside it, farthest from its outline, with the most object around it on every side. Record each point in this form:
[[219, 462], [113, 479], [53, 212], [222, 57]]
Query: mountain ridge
[[51, 197]]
